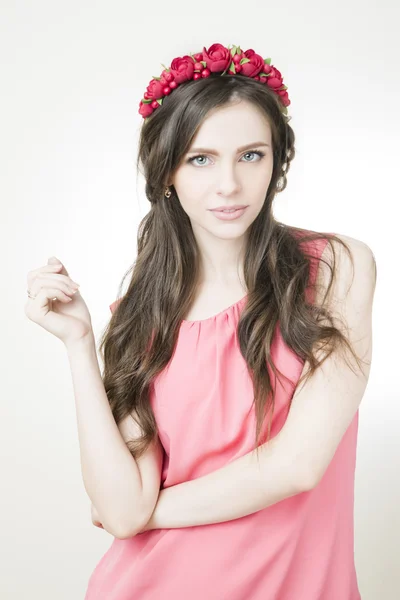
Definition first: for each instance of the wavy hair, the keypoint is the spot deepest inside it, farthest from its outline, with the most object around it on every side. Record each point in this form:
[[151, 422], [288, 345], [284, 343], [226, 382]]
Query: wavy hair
[[140, 337]]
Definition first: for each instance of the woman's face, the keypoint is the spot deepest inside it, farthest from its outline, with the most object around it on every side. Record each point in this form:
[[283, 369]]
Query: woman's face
[[219, 171]]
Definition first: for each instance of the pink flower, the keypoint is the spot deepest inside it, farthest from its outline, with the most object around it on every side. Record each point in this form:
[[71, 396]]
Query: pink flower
[[145, 109], [182, 68], [217, 58], [155, 89], [256, 64]]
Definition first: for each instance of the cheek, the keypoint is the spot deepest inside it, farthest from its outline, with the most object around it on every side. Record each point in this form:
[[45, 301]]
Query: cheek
[[189, 184], [193, 192], [193, 201]]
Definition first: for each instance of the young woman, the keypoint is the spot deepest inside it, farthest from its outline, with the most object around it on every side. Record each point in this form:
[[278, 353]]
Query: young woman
[[218, 446]]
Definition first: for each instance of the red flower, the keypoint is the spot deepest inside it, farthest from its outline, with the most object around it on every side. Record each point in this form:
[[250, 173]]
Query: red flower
[[155, 89], [256, 64], [217, 57], [182, 68], [145, 109], [275, 73], [284, 97], [275, 80], [274, 83]]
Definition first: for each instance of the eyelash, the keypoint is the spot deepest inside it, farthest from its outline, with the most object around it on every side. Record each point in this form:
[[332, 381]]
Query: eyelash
[[259, 152]]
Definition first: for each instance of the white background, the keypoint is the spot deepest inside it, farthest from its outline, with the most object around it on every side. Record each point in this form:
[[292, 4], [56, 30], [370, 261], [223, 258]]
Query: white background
[[72, 75]]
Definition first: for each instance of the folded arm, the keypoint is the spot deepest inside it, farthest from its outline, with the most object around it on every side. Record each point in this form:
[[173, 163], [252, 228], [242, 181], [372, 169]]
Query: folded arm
[[321, 411]]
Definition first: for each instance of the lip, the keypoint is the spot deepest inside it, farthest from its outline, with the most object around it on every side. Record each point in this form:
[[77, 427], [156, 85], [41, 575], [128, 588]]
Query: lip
[[235, 206], [229, 216]]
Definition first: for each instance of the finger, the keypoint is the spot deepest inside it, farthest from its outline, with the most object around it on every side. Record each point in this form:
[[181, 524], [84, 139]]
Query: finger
[[44, 294], [56, 277], [46, 269], [54, 261], [53, 265], [95, 520], [47, 282], [98, 524]]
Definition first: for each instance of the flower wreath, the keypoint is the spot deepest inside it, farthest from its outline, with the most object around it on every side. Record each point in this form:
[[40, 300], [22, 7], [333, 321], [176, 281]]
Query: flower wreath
[[217, 59]]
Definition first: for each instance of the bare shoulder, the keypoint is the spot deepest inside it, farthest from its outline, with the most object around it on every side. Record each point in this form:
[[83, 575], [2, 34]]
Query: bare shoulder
[[361, 253], [357, 247], [357, 272]]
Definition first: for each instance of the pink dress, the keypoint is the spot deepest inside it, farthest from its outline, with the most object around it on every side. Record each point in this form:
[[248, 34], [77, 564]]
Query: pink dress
[[298, 549]]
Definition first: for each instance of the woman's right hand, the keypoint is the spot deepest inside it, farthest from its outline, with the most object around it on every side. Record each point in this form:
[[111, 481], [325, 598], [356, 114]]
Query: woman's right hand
[[95, 517], [58, 305]]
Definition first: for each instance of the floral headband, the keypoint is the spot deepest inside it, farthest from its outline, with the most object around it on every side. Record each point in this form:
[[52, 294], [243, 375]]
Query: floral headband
[[217, 59]]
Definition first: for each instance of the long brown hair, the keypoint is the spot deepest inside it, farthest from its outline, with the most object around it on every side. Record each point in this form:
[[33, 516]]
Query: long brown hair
[[140, 337]]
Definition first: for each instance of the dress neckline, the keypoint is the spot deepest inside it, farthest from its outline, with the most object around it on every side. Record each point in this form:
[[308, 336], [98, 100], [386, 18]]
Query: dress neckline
[[222, 312]]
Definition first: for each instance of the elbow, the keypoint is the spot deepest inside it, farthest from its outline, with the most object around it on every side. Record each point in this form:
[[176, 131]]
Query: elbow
[[125, 530], [125, 526], [124, 534], [308, 481]]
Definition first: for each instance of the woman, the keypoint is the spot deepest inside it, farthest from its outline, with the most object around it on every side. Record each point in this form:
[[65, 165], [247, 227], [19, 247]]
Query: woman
[[228, 380]]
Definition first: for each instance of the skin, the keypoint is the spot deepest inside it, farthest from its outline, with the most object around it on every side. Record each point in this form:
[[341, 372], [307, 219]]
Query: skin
[[323, 408], [226, 178]]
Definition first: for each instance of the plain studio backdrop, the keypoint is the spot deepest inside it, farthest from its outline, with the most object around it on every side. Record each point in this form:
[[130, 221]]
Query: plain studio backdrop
[[72, 76]]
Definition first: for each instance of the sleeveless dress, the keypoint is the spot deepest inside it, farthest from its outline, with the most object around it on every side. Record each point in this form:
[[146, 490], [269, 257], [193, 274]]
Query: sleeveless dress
[[301, 548]]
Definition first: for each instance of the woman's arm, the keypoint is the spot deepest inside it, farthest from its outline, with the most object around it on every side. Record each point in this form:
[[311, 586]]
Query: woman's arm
[[321, 411], [237, 489], [111, 475]]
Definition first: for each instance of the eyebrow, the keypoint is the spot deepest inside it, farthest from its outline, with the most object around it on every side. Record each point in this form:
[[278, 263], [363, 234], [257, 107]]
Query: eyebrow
[[211, 151]]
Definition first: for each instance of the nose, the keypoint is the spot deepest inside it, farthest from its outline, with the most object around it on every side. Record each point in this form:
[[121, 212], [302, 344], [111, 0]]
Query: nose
[[228, 182]]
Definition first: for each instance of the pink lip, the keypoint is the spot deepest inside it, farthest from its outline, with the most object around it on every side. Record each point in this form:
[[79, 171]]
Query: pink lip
[[236, 207], [229, 216]]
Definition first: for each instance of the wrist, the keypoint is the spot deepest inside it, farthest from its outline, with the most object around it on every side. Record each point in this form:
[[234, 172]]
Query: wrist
[[83, 344]]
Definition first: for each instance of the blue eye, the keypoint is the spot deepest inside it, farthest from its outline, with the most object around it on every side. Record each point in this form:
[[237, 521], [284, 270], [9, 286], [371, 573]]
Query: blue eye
[[258, 152]]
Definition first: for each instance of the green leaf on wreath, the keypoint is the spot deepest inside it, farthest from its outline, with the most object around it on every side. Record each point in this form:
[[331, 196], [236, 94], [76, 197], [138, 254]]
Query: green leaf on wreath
[[267, 61], [244, 60]]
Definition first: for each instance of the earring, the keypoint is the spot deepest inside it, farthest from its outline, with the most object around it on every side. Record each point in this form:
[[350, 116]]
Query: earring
[[167, 192]]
